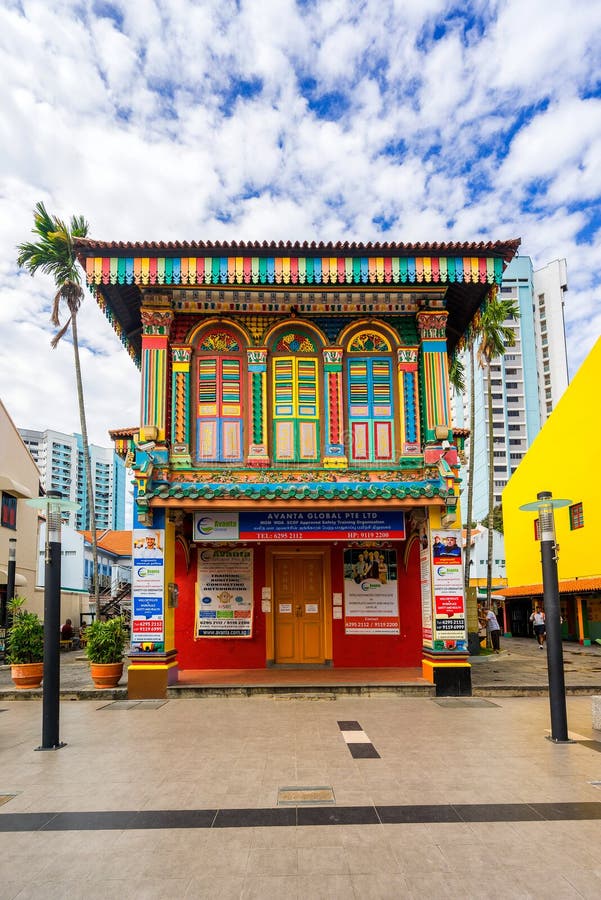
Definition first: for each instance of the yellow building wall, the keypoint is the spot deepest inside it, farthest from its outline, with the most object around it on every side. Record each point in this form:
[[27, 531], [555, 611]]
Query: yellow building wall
[[563, 459]]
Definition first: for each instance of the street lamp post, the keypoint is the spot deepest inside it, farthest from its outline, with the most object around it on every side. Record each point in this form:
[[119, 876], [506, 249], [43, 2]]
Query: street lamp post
[[54, 505], [544, 505]]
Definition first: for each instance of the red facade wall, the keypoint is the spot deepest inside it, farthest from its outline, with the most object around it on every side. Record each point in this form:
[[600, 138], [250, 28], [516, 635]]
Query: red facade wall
[[348, 651], [371, 650]]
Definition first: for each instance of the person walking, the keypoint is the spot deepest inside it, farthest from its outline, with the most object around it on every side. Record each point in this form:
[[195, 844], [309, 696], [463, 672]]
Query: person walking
[[494, 629], [538, 623]]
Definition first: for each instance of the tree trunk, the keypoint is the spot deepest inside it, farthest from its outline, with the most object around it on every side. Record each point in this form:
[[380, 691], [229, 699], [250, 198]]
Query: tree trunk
[[470, 476], [491, 492], [87, 464]]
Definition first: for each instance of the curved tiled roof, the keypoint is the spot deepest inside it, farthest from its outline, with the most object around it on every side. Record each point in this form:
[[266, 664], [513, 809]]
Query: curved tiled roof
[[296, 491]]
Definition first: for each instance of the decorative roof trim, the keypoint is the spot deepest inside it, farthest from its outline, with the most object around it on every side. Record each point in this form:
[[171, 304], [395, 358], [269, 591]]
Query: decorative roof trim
[[293, 270], [506, 249]]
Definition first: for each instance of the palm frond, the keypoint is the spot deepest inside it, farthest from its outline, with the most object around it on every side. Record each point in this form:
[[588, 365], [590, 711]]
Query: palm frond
[[60, 334], [457, 374]]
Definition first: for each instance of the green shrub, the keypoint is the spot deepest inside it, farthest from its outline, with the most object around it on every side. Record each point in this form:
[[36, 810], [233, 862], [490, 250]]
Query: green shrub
[[106, 640], [25, 635]]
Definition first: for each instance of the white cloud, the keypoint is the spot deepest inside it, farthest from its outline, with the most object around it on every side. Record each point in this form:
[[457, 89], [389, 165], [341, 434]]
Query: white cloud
[[160, 119]]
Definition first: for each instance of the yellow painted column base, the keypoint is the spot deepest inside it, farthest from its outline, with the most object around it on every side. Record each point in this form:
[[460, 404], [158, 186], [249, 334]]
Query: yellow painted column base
[[451, 676], [148, 678]]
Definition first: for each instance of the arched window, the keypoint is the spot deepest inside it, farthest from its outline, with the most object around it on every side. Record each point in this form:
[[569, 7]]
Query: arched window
[[370, 390], [295, 397], [219, 391]]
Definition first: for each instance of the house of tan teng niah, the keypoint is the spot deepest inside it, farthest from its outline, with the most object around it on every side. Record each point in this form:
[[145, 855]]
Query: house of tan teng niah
[[296, 472]]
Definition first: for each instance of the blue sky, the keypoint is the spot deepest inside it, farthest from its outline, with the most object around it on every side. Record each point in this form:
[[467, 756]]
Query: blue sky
[[409, 120]]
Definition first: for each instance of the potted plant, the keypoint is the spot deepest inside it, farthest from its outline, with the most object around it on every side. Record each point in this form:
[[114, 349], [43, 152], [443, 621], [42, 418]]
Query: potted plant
[[25, 646], [104, 649]]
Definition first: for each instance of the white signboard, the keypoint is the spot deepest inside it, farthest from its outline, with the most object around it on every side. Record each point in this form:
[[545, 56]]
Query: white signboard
[[148, 590], [371, 604], [224, 602], [210, 526]]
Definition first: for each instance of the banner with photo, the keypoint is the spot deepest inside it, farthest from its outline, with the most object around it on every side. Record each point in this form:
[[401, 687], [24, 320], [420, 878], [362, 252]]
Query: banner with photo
[[371, 603], [224, 593], [148, 590], [450, 631]]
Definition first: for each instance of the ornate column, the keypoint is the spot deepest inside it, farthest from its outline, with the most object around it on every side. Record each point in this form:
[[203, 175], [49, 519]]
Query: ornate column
[[156, 323], [434, 374], [335, 457], [257, 419], [409, 401], [181, 355]]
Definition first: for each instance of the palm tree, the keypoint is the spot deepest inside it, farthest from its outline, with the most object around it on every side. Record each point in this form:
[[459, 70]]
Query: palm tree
[[52, 252], [496, 336], [470, 470]]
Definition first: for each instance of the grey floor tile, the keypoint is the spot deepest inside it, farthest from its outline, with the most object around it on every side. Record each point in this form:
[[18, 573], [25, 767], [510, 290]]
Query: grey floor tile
[[380, 886], [270, 887], [323, 860]]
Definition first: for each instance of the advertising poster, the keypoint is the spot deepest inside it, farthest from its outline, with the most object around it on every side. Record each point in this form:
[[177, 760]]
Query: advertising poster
[[371, 604], [447, 582], [224, 599], [148, 590], [425, 580]]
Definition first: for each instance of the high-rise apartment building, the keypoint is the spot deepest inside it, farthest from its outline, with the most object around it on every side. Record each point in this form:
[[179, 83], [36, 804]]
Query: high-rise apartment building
[[526, 382], [59, 458]]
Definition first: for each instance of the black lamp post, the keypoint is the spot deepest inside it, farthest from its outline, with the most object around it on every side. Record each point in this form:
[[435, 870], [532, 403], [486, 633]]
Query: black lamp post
[[54, 505], [545, 505]]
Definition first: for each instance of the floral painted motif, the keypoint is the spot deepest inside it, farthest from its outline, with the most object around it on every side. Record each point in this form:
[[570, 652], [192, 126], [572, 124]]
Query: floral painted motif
[[219, 342], [295, 343], [368, 342]]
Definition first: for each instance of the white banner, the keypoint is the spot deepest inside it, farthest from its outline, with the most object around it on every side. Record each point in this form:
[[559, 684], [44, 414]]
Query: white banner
[[224, 593], [371, 603]]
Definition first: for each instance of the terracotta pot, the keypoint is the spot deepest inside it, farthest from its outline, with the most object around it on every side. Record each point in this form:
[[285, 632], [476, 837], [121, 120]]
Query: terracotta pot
[[27, 675], [106, 675]]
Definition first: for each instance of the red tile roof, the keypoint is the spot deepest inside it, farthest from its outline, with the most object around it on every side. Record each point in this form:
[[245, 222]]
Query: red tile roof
[[118, 542], [567, 586]]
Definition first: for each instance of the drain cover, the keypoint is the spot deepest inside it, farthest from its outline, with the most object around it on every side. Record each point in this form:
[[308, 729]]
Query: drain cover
[[300, 796]]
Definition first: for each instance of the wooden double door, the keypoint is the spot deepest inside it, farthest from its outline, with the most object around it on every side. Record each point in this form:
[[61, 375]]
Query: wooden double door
[[298, 596]]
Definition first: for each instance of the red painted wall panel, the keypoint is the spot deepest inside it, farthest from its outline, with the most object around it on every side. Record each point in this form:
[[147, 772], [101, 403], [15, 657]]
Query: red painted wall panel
[[216, 653], [365, 650], [354, 651]]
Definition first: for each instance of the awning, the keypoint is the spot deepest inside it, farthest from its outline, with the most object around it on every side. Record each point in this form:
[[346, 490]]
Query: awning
[[13, 487], [567, 586], [20, 580]]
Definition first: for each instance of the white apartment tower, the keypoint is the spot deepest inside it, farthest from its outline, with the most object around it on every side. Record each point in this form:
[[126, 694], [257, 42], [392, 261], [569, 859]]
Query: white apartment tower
[[59, 458], [526, 382]]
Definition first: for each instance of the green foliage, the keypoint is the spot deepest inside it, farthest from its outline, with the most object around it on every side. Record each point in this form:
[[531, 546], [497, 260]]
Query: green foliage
[[457, 374], [497, 519], [53, 252], [106, 640], [495, 336], [25, 636]]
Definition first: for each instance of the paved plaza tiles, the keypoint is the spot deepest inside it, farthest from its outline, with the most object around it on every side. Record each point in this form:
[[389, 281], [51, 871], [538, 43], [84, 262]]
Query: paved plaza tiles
[[184, 798]]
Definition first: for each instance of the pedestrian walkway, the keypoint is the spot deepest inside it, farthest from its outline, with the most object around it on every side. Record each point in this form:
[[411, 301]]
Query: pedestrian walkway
[[205, 798], [519, 669]]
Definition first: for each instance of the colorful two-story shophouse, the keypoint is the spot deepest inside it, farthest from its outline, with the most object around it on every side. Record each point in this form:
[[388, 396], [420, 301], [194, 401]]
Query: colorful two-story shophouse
[[296, 471]]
